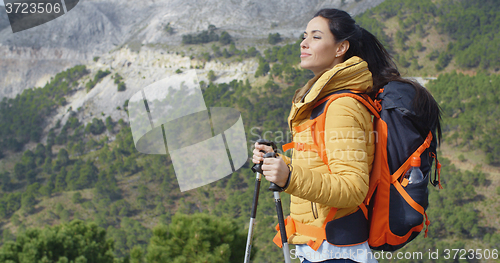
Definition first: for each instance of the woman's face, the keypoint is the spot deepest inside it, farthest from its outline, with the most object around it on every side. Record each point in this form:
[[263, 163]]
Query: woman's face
[[319, 49]]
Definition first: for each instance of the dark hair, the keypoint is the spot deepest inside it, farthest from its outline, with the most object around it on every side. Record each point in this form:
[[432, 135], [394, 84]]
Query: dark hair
[[366, 46]]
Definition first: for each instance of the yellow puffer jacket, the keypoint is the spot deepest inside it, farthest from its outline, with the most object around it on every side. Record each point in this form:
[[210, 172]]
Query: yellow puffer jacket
[[350, 147]]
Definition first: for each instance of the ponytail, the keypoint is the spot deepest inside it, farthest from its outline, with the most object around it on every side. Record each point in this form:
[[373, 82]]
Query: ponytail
[[368, 47], [380, 63]]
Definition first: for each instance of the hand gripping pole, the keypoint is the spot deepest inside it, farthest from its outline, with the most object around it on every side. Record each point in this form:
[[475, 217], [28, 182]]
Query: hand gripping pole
[[257, 169], [279, 210]]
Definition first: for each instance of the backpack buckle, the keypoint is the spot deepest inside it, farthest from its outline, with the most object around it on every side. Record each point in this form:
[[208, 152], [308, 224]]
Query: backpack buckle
[[377, 105], [300, 146]]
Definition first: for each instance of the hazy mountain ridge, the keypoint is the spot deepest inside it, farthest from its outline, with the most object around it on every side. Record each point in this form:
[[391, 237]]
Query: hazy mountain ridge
[[112, 22], [95, 27], [4, 22]]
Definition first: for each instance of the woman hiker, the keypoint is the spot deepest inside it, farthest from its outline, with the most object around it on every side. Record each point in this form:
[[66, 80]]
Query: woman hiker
[[342, 56]]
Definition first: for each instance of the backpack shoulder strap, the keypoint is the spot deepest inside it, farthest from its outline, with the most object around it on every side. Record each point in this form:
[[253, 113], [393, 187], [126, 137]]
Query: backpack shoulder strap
[[317, 121], [373, 106]]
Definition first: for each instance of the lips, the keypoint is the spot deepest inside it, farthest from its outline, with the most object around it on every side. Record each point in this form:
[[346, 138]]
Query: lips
[[303, 55]]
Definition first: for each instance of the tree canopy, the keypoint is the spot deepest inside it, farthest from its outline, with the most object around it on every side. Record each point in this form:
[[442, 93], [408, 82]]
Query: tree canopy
[[76, 242]]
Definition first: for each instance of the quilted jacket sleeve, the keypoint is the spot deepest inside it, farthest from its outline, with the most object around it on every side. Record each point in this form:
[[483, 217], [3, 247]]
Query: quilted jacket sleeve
[[285, 158], [350, 149]]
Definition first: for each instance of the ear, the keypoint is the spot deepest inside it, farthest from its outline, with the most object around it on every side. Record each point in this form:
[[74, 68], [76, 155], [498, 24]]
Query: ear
[[342, 48]]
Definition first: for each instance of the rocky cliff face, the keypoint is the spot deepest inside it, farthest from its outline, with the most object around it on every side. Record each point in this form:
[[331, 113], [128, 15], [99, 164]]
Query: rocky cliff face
[[139, 69], [95, 27]]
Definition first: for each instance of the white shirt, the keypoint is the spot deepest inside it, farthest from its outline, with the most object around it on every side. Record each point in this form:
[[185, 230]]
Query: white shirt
[[360, 253]]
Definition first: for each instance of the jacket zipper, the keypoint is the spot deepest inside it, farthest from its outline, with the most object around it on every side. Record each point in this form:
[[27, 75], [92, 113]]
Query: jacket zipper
[[314, 210]]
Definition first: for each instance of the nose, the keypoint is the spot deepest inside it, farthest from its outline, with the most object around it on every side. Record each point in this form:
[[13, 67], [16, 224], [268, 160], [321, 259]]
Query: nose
[[304, 44]]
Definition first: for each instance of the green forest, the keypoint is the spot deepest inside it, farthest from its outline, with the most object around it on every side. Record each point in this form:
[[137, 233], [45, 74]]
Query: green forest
[[470, 107], [467, 34], [81, 197]]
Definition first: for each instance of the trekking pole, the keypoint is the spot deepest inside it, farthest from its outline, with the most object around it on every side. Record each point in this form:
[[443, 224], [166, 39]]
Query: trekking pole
[[257, 169], [279, 209]]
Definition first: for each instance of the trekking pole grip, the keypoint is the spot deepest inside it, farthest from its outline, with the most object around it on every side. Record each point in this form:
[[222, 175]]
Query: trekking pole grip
[[268, 143], [257, 168], [273, 187]]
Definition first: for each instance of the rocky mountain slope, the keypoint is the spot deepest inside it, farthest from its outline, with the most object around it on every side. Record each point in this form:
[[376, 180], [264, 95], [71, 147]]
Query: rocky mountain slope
[[141, 69], [94, 27]]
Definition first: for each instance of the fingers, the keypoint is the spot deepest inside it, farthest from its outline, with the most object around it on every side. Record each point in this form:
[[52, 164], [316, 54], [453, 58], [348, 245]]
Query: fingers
[[275, 170], [258, 156], [263, 147], [270, 166]]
